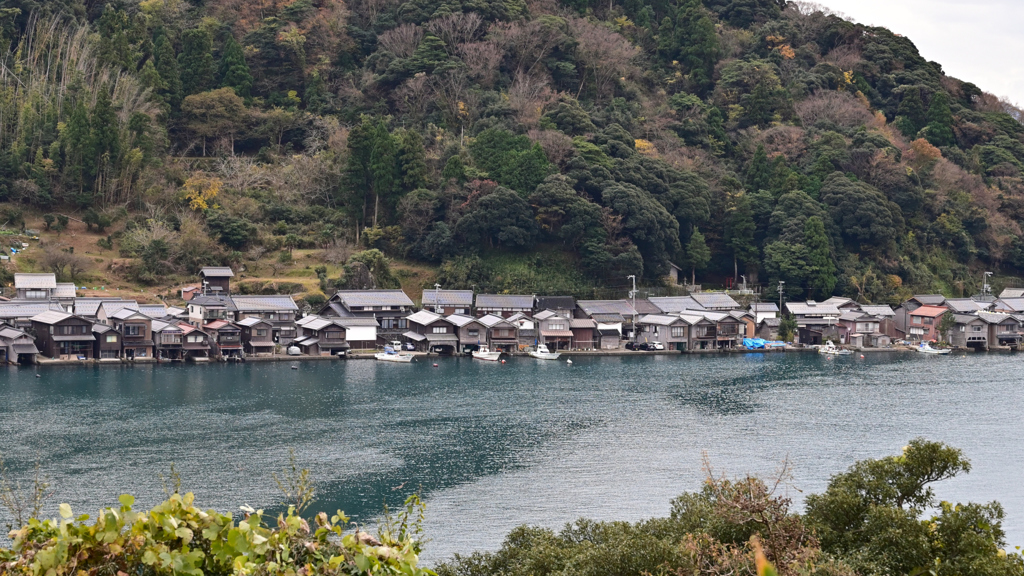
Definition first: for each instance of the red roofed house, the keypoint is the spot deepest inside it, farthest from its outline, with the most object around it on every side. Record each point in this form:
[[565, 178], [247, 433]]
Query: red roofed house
[[923, 323]]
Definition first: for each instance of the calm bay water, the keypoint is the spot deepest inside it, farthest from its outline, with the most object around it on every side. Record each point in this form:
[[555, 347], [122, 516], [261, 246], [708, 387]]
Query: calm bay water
[[493, 446]]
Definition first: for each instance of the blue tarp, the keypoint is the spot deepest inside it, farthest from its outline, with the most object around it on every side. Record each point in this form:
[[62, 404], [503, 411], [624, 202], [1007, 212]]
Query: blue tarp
[[761, 344]]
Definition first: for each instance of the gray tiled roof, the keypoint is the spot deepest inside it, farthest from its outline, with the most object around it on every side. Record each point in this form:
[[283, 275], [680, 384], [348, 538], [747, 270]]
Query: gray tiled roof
[[992, 317], [930, 299], [247, 322], [89, 306], [880, 310], [1012, 293], [217, 272], [556, 303], [213, 302], [499, 301], [772, 322], [35, 281], [424, 318], [112, 306], [965, 305], [659, 319], [447, 297], [764, 307], [264, 303], [460, 320], [592, 307], [64, 290], [26, 309], [715, 300], [673, 304], [812, 309], [349, 322], [491, 321], [153, 310], [373, 298], [51, 317], [1012, 304]]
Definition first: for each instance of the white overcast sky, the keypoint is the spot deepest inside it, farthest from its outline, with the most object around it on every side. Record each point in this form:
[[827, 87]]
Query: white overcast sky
[[977, 41]]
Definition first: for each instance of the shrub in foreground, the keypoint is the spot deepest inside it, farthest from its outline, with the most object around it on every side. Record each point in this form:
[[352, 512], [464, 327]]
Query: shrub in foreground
[[176, 538]]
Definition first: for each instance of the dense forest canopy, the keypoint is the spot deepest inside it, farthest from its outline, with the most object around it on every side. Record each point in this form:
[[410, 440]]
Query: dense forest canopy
[[595, 140]]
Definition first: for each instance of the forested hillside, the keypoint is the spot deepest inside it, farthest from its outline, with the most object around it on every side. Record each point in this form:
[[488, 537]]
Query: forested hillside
[[526, 145]]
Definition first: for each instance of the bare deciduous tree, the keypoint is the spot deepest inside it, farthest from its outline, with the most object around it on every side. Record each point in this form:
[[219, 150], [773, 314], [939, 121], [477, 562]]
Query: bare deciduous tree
[[413, 97], [557, 146], [839, 108], [529, 96], [455, 29], [528, 44], [402, 40], [606, 55], [483, 60]]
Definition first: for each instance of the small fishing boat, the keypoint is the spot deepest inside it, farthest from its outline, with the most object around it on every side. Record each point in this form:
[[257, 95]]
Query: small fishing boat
[[485, 353], [391, 355], [543, 353], [831, 349], [926, 348]]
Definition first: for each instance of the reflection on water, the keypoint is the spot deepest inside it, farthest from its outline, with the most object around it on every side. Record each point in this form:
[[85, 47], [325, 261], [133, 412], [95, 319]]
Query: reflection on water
[[492, 446]]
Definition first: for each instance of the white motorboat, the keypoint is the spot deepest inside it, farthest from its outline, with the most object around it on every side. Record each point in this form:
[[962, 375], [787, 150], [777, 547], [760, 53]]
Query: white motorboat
[[543, 353], [485, 353], [830, 349], [390, 355], [926, 348]]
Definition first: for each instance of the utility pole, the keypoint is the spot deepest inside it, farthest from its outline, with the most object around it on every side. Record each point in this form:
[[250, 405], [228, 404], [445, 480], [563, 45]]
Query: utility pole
[[781, 283], [437, 298], [632, 295], [985, 288]]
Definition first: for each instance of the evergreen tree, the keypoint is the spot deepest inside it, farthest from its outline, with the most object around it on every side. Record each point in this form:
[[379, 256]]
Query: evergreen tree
[[697, 254], [76, 137], [104, 145], [382, 166], [910, 116], [739, 234], [357, 168], [821, 270], [940, 121], [698, 45], [169, 71], [234, 71], [759, 175], [196, 61], [412, 160]]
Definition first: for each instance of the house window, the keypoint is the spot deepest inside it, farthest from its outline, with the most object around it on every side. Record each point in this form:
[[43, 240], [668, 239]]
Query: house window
[[917, 319], [962, 328], [976, 328], [37, 294], [460, 311], [562, 327], [196, 338], [284, 317], [679, 331], [929, 321], [473, 332], [440, 329], [334, 335], [132, 329], [261, 332], [111, 338]]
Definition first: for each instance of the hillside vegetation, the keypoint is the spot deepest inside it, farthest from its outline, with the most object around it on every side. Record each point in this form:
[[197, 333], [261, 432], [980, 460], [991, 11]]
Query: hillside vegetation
[[508, 145]]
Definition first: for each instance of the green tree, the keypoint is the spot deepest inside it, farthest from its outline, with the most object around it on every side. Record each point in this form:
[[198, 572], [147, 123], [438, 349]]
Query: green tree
[[412, 160], [910, 116], [357, 179], [699, 50], [740, 230], [216, 113], [787, 328], [501, 218], [871, 514], [863, 214], [196, 61], [821, 270], [382, 167], [759, 175], [170, 72], [940, 121], [234, 71], [697, 254]]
